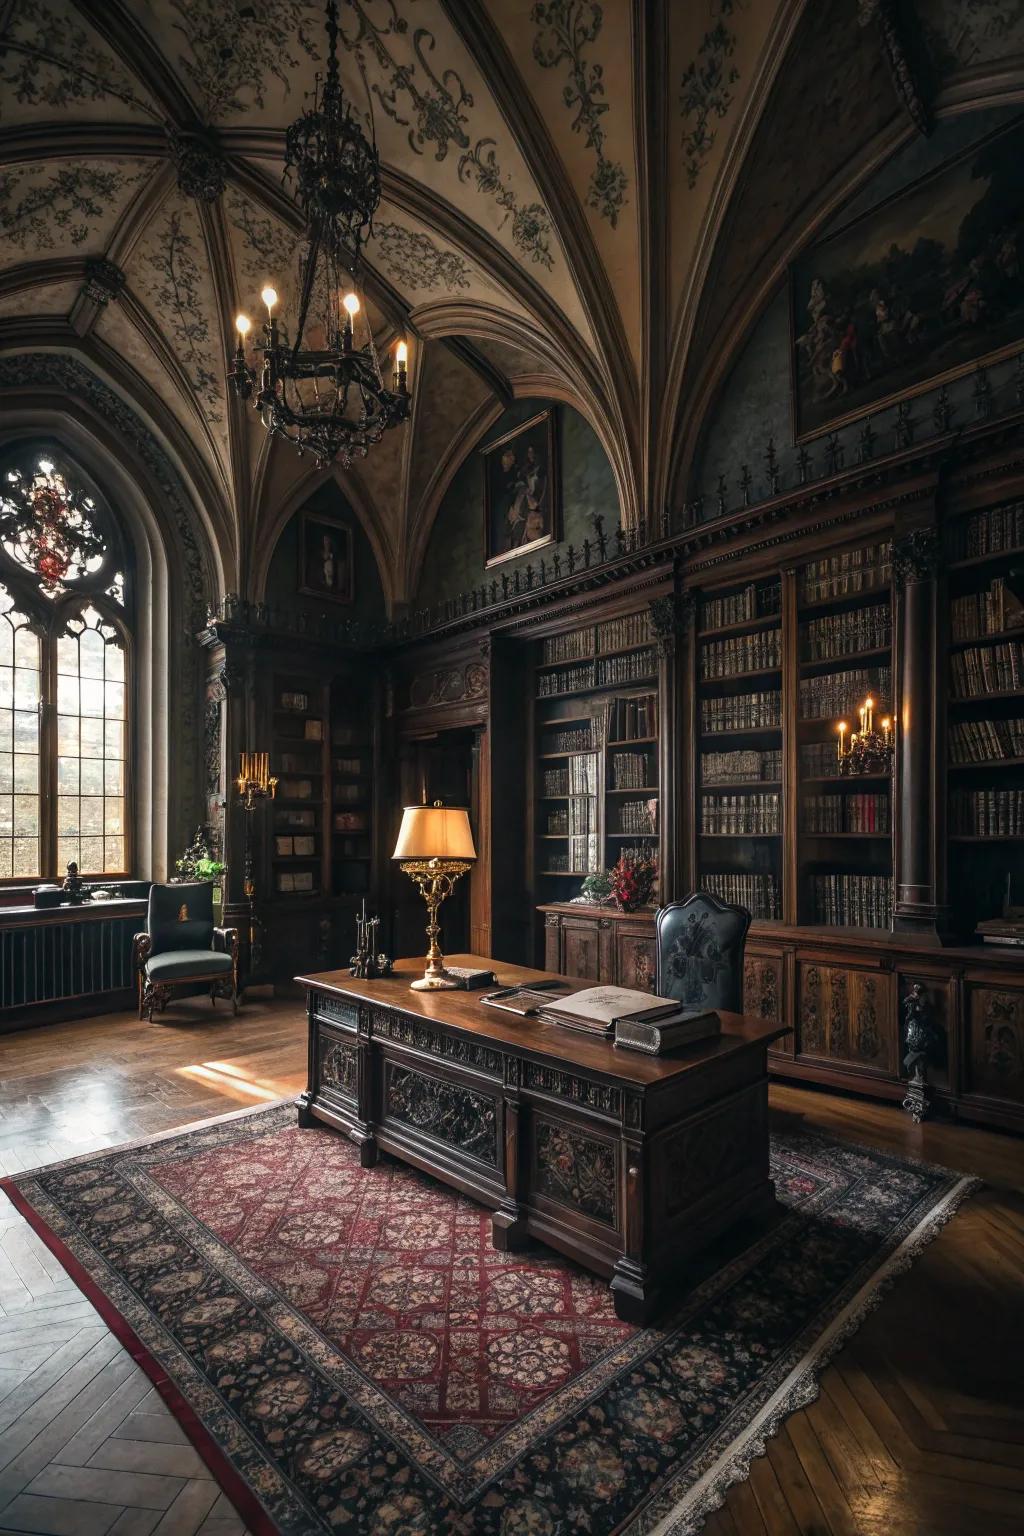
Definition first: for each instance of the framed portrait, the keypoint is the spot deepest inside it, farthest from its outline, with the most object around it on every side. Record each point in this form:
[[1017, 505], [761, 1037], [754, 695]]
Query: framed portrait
[[325, 558], [522, 510], [913, 293]]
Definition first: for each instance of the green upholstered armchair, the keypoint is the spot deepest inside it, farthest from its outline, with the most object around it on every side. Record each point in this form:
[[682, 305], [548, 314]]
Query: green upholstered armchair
[[181, 947]]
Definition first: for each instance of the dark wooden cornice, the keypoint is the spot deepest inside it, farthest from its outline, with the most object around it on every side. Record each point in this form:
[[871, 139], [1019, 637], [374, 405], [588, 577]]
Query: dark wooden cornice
[[26, 142]]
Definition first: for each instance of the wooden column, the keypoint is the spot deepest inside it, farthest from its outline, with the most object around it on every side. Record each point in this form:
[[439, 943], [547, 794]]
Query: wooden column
[[669, 621], [920, 867]]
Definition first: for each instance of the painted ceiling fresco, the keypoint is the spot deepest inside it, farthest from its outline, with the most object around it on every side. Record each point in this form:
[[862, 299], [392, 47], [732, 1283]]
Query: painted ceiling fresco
[[573, 191]]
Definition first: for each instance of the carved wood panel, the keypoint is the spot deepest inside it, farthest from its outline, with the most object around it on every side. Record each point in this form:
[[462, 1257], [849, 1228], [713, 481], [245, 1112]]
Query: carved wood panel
[[337, 1066], [845, 1015], [763, 994], [995, 1042], [582, 951], [575, 1169], [705, 1155], [634, 961], [444, 1111]]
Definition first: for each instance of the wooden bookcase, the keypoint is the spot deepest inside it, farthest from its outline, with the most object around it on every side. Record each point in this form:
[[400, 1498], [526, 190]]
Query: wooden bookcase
[[352, 773], [299, 756], [595, 774], [985, 707]]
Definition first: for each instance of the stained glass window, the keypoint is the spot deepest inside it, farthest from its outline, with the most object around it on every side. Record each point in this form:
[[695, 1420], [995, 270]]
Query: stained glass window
[[64, 707], [91, 716]]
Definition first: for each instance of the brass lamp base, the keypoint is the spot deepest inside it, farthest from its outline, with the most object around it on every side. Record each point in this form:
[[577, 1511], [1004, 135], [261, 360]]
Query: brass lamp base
[[436, 879]]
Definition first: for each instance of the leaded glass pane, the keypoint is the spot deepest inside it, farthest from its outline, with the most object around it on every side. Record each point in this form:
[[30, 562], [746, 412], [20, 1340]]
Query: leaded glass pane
[[91, 772], [92, 698], [92, 738], [92, 814], [91, 806], [26, 857], [20, 701], [67, 734], [67, 775]]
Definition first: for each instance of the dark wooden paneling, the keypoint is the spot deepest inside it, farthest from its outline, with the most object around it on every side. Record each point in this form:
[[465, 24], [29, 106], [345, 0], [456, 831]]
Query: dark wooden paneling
[[845, 1015]]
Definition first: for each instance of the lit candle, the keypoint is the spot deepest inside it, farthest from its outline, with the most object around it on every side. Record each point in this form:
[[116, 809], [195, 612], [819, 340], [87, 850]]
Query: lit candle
[[269, 297], [243, 325], [869, 705], [886, 728]]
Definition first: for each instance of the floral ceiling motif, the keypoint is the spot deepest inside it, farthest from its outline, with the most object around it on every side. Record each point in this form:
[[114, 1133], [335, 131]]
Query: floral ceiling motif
[[51, 60], [231, 50], [54, 206], [706, 91], [415, 261], [170, 271], [564, 29]]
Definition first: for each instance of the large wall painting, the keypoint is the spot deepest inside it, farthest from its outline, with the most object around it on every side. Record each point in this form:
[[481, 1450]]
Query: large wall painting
[[920, 289], [521, 490]]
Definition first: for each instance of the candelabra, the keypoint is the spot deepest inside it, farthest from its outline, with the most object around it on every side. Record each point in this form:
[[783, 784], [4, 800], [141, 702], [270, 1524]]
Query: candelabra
[[255, 785], [869, 751]]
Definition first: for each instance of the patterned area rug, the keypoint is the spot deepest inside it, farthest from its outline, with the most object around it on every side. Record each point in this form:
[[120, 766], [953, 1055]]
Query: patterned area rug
[[351, 1355]]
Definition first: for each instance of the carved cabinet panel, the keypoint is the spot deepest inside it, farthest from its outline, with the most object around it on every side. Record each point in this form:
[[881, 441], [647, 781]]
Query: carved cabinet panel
[[995, 1042], [844, 1014], [763, 998], [581, 950], [447, 1111], [634, 960], [575, 1168], [337, 1065]]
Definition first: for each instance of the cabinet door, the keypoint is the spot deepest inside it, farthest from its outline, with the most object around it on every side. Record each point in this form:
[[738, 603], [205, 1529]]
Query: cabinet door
[[994, 1065], [634, 959], [845, 1015], [763, 982], [581, 950]]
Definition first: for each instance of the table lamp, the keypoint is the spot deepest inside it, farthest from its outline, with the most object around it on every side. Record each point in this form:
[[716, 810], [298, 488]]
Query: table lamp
[[435, 847]]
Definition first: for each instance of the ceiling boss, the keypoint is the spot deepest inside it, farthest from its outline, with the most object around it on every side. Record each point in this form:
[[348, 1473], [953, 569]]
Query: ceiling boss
[[322, 390]]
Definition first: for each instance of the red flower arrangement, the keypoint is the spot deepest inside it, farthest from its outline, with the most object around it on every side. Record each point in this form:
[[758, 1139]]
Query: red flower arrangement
[[633, 881]]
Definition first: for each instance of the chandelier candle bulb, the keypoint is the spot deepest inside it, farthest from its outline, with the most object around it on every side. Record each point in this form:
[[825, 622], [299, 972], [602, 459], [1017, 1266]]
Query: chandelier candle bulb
[[842, 732], [269, 297], [243, 325]]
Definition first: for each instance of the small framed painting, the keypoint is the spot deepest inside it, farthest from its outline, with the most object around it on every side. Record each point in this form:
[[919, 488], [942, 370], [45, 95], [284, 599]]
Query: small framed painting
[[521, 501], [325, 558]]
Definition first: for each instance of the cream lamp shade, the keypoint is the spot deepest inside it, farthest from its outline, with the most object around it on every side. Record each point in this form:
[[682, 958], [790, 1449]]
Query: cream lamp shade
[[435, 832]]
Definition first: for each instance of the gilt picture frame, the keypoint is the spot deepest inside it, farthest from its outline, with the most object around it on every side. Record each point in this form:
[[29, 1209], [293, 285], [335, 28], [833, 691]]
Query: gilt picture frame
[[522, 491], [325, 559], [916, 292]]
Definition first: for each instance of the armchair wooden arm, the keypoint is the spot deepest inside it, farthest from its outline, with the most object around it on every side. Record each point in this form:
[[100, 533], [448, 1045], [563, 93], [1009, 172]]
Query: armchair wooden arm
[[142, 946]]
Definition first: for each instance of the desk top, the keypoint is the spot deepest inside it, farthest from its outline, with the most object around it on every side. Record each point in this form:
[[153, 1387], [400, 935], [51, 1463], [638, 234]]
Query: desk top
[[465, 1012]]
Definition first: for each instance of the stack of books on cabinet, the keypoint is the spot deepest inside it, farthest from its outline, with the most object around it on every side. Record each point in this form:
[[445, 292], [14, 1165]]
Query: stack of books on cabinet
[[596, 737], [844, 656], [985, 709], [739, 758]]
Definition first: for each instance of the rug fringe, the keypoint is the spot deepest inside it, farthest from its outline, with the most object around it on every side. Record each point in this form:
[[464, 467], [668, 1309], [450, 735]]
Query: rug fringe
[[688, 1516]]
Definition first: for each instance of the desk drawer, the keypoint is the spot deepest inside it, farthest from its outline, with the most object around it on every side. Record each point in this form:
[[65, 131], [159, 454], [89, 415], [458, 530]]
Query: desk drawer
[[442, 1110]]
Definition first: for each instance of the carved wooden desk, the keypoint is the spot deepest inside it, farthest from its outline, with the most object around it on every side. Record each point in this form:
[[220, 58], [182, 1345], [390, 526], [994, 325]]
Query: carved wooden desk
[[628, 1164]]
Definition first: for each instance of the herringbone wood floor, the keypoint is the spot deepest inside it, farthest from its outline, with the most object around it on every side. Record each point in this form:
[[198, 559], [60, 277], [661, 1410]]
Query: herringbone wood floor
[[918, 1430]]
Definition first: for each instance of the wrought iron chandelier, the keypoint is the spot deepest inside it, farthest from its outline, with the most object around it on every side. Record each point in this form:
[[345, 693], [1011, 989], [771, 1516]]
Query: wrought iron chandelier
[[330, 399]]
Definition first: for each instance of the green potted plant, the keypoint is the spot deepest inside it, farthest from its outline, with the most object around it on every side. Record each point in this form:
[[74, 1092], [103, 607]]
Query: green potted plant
[[199, 863], [596, 888]]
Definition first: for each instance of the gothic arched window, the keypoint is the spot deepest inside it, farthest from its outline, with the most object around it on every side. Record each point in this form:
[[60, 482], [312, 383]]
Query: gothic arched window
[[64, 674]]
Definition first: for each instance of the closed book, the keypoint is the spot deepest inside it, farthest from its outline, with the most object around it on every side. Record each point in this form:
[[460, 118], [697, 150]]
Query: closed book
[[658, 1038], [599, 1007]]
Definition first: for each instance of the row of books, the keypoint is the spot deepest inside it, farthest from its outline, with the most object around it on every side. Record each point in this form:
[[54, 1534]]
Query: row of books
[[839, 693], [579, 739], [756, 815], [582, 816], [350, 821], [856, 901], [755, 652], [986, 613], [348, 794], [630, 668], [630, 770], [819, 760], [295, 882], [295, 847], [740, 767], [844, 634], [350, 765], [636, 851], [741, 712], [977, 741], [584, 853], [556, 781], [295, 789], [753, 602], [991, 532], [760, 894], [570, 680], [576, 645], [558, 824], [633, 719], [845, 813], [844, 575], [293, 819], [297, 762], [982, 669], [582, 773], [638, 816], [619, 634], [987, 812]]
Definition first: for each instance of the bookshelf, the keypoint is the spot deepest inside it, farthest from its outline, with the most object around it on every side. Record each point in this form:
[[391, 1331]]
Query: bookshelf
[[351, 791], [596, 790], [739, 822], [844, 825], [985, 710], [300, 710]]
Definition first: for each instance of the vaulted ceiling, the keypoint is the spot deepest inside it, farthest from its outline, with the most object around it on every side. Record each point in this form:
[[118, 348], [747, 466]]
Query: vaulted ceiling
[[586, 201]]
